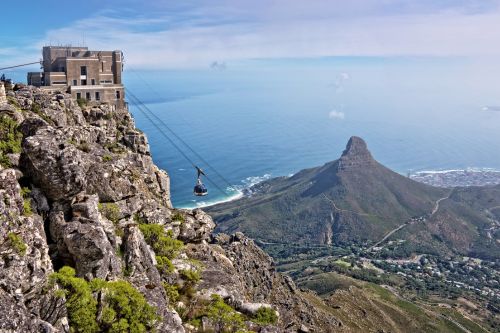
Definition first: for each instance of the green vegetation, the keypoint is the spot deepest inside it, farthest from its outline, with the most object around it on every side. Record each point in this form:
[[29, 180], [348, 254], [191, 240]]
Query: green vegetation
[[172, 292], [25, 193], [178, 217], [224, 316], [265, 316], [164, 265], [36, 108], [84, 146], [115, 147], [122, 308], [82, 102], [110, 210], [107, 158], [163, 244], [10, 139], [191, 276], [17, 243], [13, 101]]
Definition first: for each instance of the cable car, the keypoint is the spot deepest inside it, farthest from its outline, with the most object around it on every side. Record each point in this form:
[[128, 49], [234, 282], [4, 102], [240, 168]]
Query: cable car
[[199, 189]]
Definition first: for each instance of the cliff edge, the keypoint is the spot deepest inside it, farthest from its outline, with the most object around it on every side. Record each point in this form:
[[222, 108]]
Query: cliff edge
[[89, 240]]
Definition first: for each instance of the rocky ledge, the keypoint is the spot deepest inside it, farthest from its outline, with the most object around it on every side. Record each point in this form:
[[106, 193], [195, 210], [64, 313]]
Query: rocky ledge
[[89, 240]]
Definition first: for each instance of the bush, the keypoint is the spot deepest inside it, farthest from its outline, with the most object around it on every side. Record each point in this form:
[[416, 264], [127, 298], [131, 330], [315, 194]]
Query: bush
[[122, 307], [82, 102], [110, 210], [178, 217], [163, 243], [172, 292], [25, 193], [84, 146], [224, 316], [81, 306], [10, 139], [17, 243], [107, 158], [265, 316], [191, 276], [164, 265]]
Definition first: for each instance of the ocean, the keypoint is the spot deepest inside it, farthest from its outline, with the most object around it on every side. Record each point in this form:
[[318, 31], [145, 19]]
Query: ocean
[[258, 119]]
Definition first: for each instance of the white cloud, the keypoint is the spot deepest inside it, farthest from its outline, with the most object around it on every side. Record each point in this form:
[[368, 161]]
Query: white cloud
[[336, 115], [294, 29]]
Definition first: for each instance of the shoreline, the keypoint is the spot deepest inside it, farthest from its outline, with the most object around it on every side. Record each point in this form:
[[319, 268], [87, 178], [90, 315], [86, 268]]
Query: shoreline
[[471, 176]]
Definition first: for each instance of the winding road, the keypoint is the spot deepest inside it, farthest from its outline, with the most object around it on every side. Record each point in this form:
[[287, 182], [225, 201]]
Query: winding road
[[435, 209]]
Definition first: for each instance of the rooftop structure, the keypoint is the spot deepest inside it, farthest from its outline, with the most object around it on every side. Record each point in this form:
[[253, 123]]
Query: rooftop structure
[[91, 75]]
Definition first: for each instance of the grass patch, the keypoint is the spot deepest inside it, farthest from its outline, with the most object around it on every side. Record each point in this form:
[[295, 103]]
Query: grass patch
[[178, 217], [17, 243], [84, 146], [10, 140], [110, 210], [107, 158]]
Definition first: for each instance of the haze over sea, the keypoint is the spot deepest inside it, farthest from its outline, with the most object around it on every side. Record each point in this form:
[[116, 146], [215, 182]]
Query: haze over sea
[[258, 119]]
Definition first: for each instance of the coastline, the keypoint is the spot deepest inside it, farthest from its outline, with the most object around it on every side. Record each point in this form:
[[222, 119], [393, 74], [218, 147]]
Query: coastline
[[471, 176]]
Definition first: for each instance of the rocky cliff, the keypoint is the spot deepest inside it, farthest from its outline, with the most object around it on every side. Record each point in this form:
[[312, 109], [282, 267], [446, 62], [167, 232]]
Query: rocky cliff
[[89, 240]]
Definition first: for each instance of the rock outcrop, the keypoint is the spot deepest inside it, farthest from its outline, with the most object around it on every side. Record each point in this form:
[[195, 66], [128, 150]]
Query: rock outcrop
[[84, 192], [3, 97]]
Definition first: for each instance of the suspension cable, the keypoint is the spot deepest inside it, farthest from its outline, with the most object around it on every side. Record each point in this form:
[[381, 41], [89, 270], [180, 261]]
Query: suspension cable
[[15, 66], [179, 138], [145, 111]]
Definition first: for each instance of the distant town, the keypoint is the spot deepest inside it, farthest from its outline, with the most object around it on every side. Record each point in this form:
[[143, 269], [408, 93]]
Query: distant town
[[452, 178]]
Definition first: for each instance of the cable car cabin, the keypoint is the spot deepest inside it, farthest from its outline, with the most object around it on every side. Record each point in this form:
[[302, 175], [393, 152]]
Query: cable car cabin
[[200, 190]]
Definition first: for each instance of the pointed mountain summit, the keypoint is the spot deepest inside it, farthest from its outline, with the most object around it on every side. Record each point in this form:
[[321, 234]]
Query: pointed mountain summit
[[314, 204], [356, 147], [353, 199]]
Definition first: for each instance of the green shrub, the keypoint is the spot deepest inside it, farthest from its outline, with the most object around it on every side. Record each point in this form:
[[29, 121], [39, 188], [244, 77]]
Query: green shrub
[[110, 210], [191, 276], [107, 158], [84, 146], [17, 243], [27, 211], [265, 316], [82, 102], [178, 217], [81, 306], [172, 292], [163, 243], [25, 193], [123, 308], [10, 139], [164, 265], [224, 316], [36, 108]]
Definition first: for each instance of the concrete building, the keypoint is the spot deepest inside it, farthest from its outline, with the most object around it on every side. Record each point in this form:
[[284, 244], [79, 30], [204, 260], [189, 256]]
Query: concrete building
[[92, 75]]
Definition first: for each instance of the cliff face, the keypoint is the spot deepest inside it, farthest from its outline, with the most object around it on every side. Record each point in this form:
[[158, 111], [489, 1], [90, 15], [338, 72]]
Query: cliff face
[[78, 188]]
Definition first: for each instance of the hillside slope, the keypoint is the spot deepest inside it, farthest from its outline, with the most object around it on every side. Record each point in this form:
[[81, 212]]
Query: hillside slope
[[356, 200]]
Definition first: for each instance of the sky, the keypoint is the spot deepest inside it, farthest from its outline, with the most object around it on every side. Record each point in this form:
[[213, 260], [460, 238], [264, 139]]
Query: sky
[[189, 34]]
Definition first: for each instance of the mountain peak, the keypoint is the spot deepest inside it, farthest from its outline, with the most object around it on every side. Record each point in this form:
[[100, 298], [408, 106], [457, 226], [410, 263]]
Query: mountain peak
[[355, 154]]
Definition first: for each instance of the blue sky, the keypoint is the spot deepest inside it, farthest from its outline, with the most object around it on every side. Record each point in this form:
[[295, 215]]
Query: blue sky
[[187, 34]]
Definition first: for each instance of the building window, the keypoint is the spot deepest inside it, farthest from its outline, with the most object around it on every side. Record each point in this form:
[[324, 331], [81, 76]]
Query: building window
[[83, 70], [75, 82], [87, 95], [97, 96], [102, 65], [78, 95], [118, 94], [93, 82], [84, 82]]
